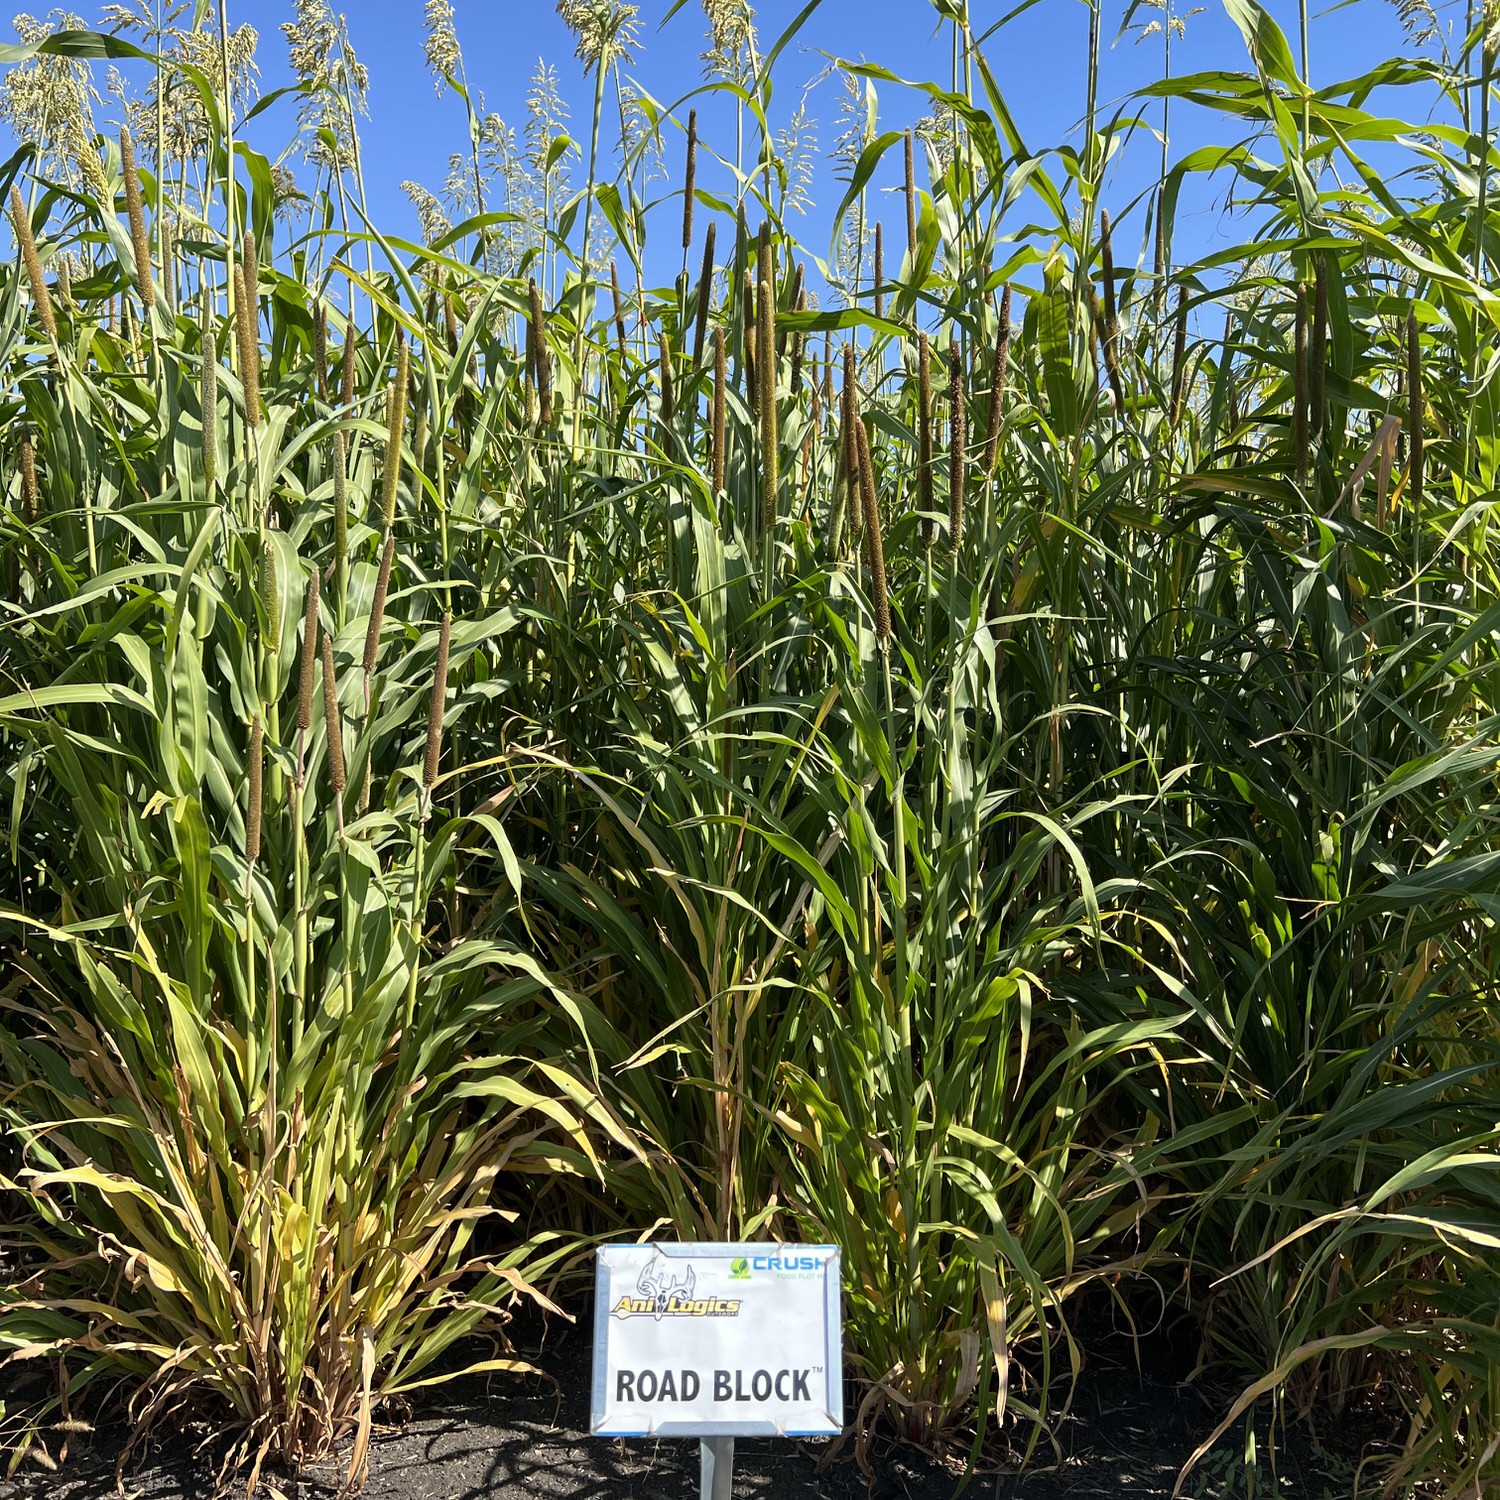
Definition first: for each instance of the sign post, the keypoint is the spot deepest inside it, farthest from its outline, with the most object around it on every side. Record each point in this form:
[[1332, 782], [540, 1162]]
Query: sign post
[[717, 1341]]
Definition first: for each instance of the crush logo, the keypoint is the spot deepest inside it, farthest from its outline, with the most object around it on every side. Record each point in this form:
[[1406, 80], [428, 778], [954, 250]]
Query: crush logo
[[739, 1269], [789, 1264], [662, 1291]]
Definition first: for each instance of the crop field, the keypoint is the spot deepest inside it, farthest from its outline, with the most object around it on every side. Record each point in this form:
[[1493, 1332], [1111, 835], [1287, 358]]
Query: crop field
[[980, 750]]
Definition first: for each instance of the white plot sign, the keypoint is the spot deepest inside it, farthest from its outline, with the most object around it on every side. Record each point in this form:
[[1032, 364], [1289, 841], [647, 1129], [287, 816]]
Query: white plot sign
[[727, 1340]]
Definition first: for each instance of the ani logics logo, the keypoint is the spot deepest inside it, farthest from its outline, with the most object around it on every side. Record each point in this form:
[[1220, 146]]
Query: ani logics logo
[[664, 1291]]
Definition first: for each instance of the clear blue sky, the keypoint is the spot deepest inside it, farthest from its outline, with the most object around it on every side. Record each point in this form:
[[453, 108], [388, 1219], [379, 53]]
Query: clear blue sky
[[1039, 58]]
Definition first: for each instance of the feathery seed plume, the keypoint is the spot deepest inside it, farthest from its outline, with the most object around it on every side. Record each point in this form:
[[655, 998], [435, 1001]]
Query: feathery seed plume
[[604, 31], [440, 45]]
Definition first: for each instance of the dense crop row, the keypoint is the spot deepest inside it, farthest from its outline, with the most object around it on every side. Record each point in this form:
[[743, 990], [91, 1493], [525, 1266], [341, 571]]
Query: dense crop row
[[998, 772]]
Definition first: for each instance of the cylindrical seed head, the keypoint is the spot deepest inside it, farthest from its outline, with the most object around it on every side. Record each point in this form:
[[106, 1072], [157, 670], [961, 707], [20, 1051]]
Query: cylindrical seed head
[[249, 346], [997, 384], [1107, 271], [1317, 359], [340, 499], [542, 354], [721, 380], [770, 438], [664, 355], [167, 250], [957, 443], [752, 363], [847, 502], [252, 268], [270, 596], [614, 286], [450, 321], [320, 351], [377, 604], [346, 375], [309, 651], [208, 398], [31, 495], [395, 427], [1416, 411], [911, 199], [1299, 384], [435, 708], [924, 436], [874, 542], [799, 339], [689, 180], [41, 298], [332, 721], [705, 291], [255, 769], [1179, 357], [145, 284]]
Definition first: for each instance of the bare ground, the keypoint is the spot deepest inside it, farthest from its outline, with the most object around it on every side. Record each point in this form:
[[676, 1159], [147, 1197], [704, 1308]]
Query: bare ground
[[508, 1436]]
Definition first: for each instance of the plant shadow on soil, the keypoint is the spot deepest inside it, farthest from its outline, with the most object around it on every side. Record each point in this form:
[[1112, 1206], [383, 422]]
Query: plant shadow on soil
[[1133, 1421]]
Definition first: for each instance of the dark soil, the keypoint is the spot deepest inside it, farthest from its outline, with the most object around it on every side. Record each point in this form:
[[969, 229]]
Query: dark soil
[[508, 1436]]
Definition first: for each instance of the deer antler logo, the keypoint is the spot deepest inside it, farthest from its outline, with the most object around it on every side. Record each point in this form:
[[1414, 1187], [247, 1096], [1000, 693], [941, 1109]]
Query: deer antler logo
[[660, 1282]]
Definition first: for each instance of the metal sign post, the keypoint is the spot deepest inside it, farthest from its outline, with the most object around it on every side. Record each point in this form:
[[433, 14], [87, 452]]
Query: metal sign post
[[717, 1341], [716, 1468]]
